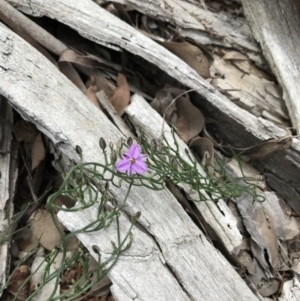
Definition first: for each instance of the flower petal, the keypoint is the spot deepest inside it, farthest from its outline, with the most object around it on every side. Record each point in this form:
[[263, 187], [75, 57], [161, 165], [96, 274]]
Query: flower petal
[[125, 156], [123, 165], [134, 151], [130, 171], [142, 157], [139, 167]]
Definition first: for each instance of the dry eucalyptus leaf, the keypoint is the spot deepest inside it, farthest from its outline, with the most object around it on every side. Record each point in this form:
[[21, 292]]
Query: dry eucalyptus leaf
[[103, 84], [38, 152], [235, 55], [91, 94], [190, 120], [204, 148], [191, 54], [121, 97], [25, 240], [44, 229], [69, 71], [272, 146], [16, 282], [90, 61], [162, 104], [182, 114], [72, 243]]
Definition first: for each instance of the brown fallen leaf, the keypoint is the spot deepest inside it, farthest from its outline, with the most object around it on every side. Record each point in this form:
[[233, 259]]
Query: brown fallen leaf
[[204, 148], [164, 106], [103, 84], [182, 114], [272, 146], [25, 240], [38, 152], [191, 54], [91, 94], [235, 55], [17, 282], [44, 229], [121, 97], [190, 120], [88, 60], [70, 72]]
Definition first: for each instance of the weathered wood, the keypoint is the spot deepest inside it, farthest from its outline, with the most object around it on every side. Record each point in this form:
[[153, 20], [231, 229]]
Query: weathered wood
[[276, 26], [7, 184], [67, 117], [192, 20]]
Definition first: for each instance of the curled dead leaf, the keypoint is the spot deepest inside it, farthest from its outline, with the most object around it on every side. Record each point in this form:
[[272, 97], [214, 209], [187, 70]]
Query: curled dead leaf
[[272, 146], [191, 54], [44, 229], [182, 114], [38, 152], [190, 120], [235, 55], [121, 97], [89, 61], [91, 94], [204, 148]]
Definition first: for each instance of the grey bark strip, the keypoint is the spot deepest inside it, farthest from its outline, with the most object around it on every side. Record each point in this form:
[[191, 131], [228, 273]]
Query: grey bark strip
[[276, 26], [7, 183]]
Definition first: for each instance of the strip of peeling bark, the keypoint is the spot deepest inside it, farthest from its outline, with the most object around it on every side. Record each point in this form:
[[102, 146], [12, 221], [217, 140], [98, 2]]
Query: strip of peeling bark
[[276, 26], [7, 184]]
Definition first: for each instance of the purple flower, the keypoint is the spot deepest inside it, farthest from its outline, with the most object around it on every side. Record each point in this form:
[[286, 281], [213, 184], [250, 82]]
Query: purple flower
[[133, 162]]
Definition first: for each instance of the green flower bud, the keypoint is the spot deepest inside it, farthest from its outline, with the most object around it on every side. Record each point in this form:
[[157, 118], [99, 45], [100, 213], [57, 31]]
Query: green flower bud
[[102, 143], [78, 150]]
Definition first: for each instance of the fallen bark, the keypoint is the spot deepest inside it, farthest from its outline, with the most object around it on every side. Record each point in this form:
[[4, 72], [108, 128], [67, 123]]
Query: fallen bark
[[169, 241], [276, 26], [7, 184]]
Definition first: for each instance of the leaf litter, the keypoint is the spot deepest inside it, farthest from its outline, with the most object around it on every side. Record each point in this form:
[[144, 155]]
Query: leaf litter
[[92, 69]]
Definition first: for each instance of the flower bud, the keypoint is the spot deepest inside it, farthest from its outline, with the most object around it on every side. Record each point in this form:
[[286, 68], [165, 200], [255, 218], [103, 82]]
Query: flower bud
[[102, 143], [113, 156], [135, 216], [153, 146], [96, 249], [129, 141], [174, 163], [119, 143], [78, 150]]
